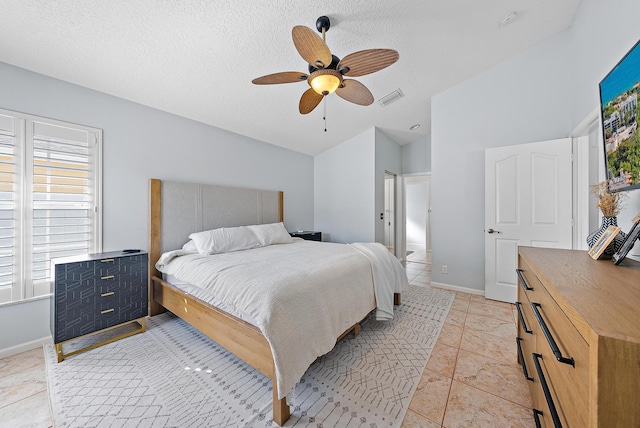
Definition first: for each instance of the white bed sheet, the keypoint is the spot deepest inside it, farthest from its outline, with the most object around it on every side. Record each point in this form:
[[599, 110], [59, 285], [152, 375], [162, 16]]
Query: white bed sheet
[[208, 297], [301, 295]]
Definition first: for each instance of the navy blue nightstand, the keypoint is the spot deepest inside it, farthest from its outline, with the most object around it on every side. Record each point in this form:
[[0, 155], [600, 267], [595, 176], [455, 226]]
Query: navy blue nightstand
[[94, 292], [309, 235]]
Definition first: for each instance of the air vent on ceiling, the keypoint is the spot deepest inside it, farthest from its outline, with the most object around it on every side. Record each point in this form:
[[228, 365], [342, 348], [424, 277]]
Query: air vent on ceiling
[[389, 98]]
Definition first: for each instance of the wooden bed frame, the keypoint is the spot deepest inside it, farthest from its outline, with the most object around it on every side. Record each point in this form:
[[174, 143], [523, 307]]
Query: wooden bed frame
[[237, 336]]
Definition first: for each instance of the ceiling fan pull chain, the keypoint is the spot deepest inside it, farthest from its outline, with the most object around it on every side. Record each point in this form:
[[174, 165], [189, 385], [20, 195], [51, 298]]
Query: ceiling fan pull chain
[[324, 115]]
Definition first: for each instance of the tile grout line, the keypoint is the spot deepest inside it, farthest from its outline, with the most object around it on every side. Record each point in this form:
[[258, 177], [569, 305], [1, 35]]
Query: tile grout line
[[455, 366], [489, 358], [22, 399]]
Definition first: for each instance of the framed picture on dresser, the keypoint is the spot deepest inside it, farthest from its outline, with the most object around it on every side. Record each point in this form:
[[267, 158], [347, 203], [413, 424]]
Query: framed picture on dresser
[[603, 242], [632, 237]]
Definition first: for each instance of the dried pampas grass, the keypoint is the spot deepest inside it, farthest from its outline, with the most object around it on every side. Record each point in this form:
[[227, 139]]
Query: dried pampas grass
[[609, 203]]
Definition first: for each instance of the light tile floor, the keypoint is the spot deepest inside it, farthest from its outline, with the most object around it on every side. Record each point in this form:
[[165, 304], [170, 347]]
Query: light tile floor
[[472, 378], [23, 391]]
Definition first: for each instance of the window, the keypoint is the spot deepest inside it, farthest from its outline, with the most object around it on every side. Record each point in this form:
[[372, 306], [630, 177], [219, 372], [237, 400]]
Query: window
[[50, 198]]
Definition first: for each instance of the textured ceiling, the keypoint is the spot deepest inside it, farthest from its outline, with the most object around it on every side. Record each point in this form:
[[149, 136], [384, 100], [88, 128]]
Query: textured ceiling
[[196, 58]]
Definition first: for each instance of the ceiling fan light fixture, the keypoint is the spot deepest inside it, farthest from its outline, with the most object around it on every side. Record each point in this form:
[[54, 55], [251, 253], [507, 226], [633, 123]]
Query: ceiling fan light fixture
[[325, 81]]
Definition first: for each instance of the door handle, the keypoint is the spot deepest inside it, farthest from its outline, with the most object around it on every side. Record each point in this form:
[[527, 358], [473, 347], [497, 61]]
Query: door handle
[[493, 231]]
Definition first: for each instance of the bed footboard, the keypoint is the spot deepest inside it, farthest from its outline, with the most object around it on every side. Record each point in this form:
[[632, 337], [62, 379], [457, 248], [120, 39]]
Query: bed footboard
[[237, 336]]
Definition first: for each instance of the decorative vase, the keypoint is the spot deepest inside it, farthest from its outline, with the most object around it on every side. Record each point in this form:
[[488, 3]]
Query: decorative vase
[[617, 241]]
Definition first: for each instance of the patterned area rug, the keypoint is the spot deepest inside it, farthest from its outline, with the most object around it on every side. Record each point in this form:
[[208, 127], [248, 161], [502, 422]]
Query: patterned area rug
[[173, 376]]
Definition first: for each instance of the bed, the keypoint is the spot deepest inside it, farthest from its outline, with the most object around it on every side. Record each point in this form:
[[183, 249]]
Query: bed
[[180, 209]]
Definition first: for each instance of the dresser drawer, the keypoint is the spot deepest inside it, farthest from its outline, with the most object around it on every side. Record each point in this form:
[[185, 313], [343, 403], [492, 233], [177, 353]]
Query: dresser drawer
[[527, 343], [119, 311], [569, 383], [528, 282], [545, 398], [527, 339], [526, 321]]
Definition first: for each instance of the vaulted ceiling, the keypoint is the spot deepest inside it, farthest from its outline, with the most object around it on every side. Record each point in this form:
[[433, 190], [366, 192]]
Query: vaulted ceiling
[[196, 58]]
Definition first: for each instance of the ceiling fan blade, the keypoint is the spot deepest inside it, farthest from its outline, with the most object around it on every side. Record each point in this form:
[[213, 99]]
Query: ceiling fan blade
[[309, 100], [311, 47], [355, 92], [368, 61], [284, 77]]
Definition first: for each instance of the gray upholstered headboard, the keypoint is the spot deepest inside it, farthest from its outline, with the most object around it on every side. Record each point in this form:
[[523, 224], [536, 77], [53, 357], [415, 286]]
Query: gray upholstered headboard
[[192, 207], [178, 209]]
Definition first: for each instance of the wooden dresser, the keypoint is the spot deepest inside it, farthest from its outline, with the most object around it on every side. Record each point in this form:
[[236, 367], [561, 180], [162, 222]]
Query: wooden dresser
[[579, 338]]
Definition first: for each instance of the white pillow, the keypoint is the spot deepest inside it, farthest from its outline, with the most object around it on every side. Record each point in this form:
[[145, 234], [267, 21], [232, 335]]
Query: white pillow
[[224, 240], [269, 234], [190, 247]]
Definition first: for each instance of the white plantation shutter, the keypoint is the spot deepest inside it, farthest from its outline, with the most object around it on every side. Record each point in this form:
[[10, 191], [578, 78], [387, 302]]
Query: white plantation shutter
[[9, 288], [57, 170]]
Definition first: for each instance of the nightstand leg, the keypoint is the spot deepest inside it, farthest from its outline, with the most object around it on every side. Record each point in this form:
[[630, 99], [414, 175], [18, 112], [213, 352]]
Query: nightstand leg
[[59, 351], [141, 321]]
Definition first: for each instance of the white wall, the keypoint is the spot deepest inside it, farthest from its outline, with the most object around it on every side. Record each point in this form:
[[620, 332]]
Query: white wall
[[524, 99], [349, 187], [600, 36], [344, 198], [140, 143], [543, 93], [416, 156], [388, 157]]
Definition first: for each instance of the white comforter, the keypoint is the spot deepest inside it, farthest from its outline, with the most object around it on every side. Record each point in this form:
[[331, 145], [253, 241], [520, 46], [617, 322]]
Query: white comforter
[[301, 295]]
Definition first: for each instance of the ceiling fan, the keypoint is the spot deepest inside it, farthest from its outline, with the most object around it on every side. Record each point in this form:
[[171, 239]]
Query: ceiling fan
[[327, 71]]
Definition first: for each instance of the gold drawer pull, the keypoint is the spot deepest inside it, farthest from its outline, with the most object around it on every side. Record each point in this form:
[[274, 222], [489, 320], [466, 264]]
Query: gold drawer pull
[[108, 277], [106, 311], [111, 293], [106, 260]]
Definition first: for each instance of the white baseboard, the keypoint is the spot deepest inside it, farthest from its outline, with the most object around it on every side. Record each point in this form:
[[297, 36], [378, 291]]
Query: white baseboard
[[24, 347], [457, 288]]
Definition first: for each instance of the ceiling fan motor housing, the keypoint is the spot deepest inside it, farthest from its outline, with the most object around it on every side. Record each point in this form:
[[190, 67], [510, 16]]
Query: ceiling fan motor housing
[[333, 66]]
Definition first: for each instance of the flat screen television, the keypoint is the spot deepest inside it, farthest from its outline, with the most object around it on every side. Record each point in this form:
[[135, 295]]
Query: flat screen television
[[619, 93]]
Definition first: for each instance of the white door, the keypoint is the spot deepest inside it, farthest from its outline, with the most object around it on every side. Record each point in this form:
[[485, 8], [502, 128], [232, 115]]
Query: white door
[[527, 202]]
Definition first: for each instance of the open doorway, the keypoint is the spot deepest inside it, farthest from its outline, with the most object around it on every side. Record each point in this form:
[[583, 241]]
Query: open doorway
[[417, 190]]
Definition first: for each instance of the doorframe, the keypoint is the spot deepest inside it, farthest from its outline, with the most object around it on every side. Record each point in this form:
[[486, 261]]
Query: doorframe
[[395, 203], [587, 160]]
